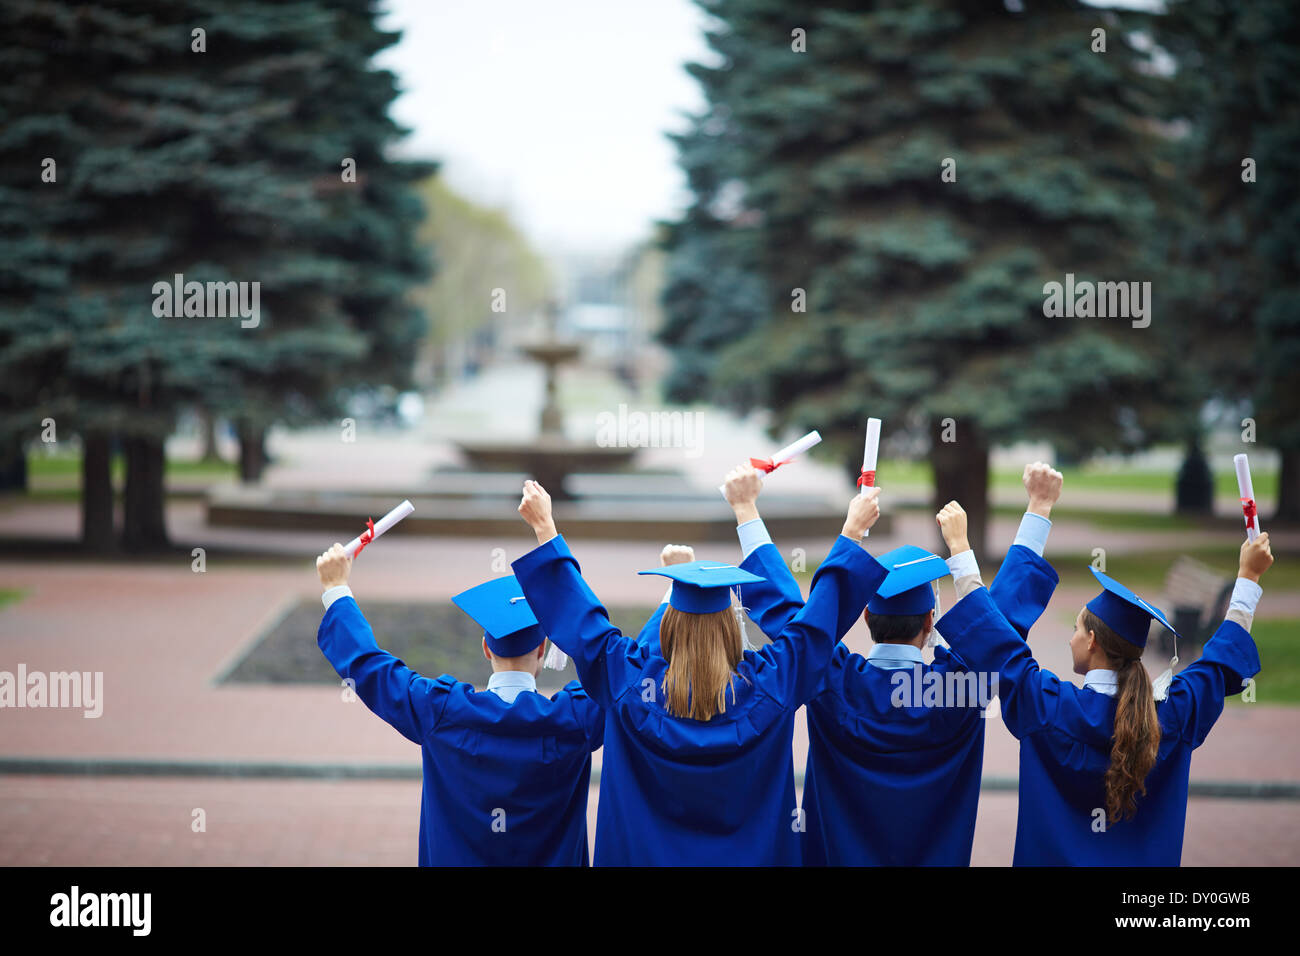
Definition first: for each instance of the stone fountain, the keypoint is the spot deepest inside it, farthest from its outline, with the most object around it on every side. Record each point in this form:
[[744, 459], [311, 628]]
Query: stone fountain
[[551, 457], [598, 495]]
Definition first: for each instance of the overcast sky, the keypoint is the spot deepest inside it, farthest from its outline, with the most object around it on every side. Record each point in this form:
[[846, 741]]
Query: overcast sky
[[554, 109]]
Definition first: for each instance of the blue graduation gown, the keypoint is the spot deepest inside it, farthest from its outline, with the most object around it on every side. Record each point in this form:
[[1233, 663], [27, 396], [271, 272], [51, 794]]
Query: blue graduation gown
[[1065, 741], [917, 768], [504, 783], [677, 791], [648, 636]]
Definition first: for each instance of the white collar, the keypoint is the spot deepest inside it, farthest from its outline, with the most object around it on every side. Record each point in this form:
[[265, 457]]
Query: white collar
[[894, 656], [1102, 681], [516, 679]]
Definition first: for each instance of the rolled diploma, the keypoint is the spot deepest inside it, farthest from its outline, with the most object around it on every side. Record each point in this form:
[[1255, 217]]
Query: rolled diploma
[[793, 450], [382, 525], [870, 452], [1246, 490]]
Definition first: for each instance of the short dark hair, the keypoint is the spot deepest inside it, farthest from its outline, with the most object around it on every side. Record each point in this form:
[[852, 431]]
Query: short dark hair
[[895, 628]]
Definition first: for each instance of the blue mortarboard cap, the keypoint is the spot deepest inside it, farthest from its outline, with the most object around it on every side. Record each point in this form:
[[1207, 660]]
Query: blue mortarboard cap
[[1124, 612], [703, 587], [906, 588], [500, 608]]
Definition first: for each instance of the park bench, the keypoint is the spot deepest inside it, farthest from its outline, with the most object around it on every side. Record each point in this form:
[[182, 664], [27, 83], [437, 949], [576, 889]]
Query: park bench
[[1196, 600]]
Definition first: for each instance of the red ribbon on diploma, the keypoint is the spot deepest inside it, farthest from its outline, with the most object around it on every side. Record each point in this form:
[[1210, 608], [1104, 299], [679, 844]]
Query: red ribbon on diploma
[[1249, 510], [867, 478], [767, 465], [366, 536]]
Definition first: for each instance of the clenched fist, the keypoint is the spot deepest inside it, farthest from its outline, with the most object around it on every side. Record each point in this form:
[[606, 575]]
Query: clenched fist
[[1043, 482], [676, 554], [535, 508], [952, 525]]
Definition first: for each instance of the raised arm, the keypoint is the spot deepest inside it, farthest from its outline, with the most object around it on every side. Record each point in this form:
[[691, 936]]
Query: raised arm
[[1229, 658], [1025, 582], [843, 584], [774, 601], [986, 641], [567, 609], [648, 636], [406, 700]]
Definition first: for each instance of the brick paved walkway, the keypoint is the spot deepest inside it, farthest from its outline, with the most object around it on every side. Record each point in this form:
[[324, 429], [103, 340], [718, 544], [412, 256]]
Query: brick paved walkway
[[162, 635]]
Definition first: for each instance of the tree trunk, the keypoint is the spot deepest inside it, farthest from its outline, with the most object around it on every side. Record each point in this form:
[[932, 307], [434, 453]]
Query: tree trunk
[[1288, 487], [252, 453], [144, 522], [13, 464], [1194, 488], [96, 492], [208, 435], [961, 474]]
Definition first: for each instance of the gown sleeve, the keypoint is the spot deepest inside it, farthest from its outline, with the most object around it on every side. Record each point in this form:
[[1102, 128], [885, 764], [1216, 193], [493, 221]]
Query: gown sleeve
[[575, 620], [408, 701], [983, 638], [589, 713], [1197, 693], [650, 629], [801, 651], [773, 602], [1023, 587]]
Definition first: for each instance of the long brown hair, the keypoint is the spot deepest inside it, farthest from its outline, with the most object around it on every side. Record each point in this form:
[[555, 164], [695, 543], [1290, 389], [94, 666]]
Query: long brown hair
[[1137, 728], [702, 651]]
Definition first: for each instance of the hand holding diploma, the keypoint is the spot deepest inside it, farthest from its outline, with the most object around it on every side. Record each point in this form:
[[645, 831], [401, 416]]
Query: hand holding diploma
[[864, 510], [783, 457], [1247, 492], [333, 567], [375, 529], [741, 489], [1256, 558], [870, 453]]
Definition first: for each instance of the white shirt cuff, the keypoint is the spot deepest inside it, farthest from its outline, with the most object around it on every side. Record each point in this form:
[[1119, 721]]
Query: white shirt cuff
[[960, 565], [333, 594], [753, 534], [1033, 532], [1245, 596]]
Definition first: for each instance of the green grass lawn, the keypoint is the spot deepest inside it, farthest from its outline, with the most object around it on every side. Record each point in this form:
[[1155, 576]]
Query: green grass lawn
[[10, 596], [1279, 654], [68, 465], [1087, 478]]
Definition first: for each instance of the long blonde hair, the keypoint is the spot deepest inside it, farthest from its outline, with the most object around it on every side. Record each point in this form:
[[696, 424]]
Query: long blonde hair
[[1136, 737], [702, 651]]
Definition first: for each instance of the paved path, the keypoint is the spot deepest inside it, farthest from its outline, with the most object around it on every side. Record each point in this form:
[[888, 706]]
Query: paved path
[[162, 635], [57, 821]]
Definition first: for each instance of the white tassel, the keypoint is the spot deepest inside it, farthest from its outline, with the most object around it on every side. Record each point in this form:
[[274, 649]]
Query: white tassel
[[555, 659], [935, 639], [1160, 686], [740, 620]]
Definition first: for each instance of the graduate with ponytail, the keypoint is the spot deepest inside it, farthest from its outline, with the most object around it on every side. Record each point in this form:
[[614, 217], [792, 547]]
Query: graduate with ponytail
[[1103, 768], [697, 768]]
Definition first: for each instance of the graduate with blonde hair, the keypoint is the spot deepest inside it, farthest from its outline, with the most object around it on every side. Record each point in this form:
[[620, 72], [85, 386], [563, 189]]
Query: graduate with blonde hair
[[896, 744], [697, 768]]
